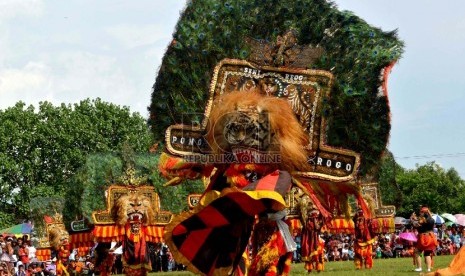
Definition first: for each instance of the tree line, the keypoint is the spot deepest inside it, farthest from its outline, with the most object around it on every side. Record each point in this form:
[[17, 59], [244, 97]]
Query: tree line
[[430, 184], [70, 152], [76, 151]]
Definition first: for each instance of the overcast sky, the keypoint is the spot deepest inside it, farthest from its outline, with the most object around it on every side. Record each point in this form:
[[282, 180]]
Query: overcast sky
[[66, 51]]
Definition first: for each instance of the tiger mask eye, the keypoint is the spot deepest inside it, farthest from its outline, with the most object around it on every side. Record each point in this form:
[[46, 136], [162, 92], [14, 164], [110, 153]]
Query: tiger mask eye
[[247, 130]]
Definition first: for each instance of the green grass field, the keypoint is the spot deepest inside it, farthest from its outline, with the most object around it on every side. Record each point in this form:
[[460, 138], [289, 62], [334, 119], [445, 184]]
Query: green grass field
[[385, 267]]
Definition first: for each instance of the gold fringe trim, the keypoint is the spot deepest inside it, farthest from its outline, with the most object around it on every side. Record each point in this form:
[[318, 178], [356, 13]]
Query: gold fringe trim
[[369, 242], [268, 254]]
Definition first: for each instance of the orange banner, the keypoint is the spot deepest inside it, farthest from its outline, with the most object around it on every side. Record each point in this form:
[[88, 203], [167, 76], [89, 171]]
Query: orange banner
[[108, 233], [155, 233], [43, 254], [383, 225], [78, 238], [341, 225]]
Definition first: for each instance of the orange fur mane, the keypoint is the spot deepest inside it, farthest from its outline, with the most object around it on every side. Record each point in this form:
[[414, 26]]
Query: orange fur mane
[[287, 135], [131, 203]]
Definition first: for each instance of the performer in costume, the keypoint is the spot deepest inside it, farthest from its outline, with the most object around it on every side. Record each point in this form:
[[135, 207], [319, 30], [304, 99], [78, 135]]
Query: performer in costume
[[62, 260], [129, 222], [240, 127], [363, 244], [273, 246], [259, 187], [427, 242], [133, 212], [312, 244], [59, 240], [227, 233], [104, 259]]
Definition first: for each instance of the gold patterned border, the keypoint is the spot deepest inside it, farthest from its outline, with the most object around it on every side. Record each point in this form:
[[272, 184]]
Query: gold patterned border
[[186, 149], [222, 63], [371, 190], [193, 200], [114, 192], [328, 163]]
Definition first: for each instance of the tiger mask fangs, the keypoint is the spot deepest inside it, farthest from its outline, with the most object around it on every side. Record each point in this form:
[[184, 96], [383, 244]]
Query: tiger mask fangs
[[135, 209]]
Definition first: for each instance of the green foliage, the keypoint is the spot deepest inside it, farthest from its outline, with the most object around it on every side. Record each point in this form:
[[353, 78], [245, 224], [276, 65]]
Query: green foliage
[[355, 52], [385, 267], [390, 191], [88, 186], [40, 150], [41, 206], [430, 184], [7, 220], [426, 184]]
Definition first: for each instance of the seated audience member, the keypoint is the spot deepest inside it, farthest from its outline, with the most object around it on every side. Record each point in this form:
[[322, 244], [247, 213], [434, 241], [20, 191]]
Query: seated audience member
[[345, 253], [50, 268], [335, 255], [36, 269], [351, 253], [378, 252], [387, 252], [21, 271]]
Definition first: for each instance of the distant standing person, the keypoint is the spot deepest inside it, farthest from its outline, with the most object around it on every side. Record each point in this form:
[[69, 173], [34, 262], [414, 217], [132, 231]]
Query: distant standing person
[[312, 248], [23, 252], [363, 243], [427, 241]]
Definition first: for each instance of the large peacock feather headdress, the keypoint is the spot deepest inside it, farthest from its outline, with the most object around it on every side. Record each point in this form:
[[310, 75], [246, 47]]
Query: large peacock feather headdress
[[358, 55]]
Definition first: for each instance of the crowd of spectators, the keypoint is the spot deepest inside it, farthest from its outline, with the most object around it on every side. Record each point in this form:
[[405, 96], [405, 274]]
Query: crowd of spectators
[[18, 258], [340, 247], [17, 255], [162, 259]]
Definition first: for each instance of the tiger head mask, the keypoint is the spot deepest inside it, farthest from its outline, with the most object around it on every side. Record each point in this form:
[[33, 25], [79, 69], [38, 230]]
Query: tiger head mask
[[256, 128], [135, 209], [58, 236]]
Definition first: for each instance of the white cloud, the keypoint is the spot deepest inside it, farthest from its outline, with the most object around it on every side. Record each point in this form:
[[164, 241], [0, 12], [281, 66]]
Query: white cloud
[[27, 83], [4, 45], [12, 8], [67, 77], [132, 36], [79, 75], [34, 75]]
